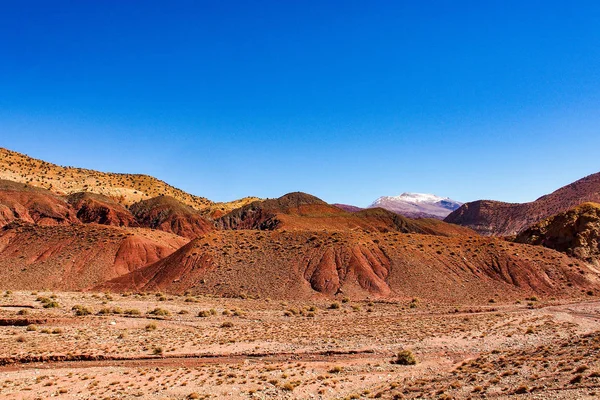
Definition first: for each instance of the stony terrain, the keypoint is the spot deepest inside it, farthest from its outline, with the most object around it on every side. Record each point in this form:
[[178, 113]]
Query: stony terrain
[[157, 346], [496, 218]]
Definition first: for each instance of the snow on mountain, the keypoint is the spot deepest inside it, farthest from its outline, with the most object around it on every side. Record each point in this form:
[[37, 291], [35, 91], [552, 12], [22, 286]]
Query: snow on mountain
[[418, 205]]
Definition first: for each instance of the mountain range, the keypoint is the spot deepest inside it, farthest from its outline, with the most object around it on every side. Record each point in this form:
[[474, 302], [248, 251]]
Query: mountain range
[[412, 205], [65, 228]]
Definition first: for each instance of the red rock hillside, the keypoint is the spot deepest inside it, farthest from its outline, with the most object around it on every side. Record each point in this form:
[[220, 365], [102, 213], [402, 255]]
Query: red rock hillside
[[91, 207], [167, 214], [300, 264], [503, 219], [34, 205], [75, 257]]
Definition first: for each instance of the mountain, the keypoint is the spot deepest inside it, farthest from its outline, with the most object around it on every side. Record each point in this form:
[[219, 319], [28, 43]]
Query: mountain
[[301, 211], [124, 188], [575, 232], [347, 207], [496, 218], [309, 264], [417, 205]]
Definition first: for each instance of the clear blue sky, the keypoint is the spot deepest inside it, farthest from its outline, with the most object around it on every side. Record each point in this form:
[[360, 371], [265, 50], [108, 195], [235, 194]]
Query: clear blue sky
[[347, 100]]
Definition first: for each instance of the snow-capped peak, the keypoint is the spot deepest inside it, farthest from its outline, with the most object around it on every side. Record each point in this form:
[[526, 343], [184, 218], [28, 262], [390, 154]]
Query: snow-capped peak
[[418, 197], [418, 205]]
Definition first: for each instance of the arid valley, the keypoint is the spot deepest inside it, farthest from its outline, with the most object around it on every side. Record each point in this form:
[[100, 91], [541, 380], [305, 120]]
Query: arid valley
[[120, 286]]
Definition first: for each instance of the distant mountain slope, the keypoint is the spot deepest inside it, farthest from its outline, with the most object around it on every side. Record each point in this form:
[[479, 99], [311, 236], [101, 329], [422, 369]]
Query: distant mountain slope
[[347, 207], [497, 218], [575, 232], [301, 211], [418, 205], [217, 210], [304, 264], [125, 188]]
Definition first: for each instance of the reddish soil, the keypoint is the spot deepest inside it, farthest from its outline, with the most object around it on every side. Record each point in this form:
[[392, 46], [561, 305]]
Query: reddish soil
[[167, 214], [77, 256], [209, 348], [296, 264], [91, 207], [34, 205]]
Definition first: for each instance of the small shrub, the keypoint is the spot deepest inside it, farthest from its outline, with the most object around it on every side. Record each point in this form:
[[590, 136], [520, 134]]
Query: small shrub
[[132, 311], [31, 328], [159, 312], [334, 306], [227, 324], [47, 302], [158, 351], [335, 370], [405, 357], [81, 310], [150, 327]]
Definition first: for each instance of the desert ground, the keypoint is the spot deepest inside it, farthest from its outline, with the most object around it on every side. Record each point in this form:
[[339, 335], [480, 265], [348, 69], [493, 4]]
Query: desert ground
[[80, 345]]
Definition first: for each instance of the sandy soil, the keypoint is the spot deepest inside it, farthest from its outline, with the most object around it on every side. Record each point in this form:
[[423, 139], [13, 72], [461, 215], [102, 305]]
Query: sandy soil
[[242, 348]]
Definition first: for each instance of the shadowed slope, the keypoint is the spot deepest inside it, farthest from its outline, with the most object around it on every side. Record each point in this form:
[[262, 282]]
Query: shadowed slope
[[167, 214], [91, 207], [497, 218], [34, 205]]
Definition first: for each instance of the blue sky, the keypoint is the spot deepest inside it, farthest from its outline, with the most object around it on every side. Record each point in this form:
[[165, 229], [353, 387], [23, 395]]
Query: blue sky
[[347, 100]]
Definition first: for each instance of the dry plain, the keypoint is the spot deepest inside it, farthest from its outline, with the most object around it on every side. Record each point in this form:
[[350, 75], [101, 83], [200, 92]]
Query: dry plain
[[159, 346]]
